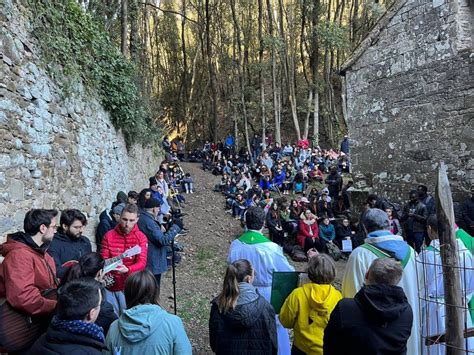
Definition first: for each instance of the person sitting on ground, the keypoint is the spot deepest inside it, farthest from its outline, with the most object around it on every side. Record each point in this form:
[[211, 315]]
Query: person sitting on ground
[[308, 232], [381, 243], [325, 210], [340, 209], [334, 182], [124, 236], [327, 233], [91, 266], [268, 256], [308, 308], [145, 327], [241, 320], [295, 210], [287, 185], [343, 231], [278, 179], [290, 226], [68, 242], [274, 224], [72, 330], [238, 207], [188, 183], [299, 185], [377, 320], [313, 206]]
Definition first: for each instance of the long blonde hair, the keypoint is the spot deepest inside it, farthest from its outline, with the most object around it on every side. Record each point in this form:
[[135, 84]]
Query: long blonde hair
[[236, 272]]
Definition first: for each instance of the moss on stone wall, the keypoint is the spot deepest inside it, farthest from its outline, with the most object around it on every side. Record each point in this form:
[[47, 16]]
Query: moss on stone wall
[[75, 46]]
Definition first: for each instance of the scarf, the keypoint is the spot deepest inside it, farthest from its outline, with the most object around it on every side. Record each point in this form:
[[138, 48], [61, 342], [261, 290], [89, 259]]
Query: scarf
[[79, 327], [393, 245]]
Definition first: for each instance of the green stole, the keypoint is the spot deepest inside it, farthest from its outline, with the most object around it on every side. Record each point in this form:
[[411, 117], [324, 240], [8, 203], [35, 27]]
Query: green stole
[[253, 237], [468, 242]]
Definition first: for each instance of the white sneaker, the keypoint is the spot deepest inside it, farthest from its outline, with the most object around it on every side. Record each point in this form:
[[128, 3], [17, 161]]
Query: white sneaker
[[191, 191]]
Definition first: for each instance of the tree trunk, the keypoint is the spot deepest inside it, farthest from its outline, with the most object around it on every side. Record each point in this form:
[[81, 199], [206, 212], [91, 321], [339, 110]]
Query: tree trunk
[[241, 76], [449, 257], [124, 27], [260, 73], [289, 77], [212, 79], [274, 83]]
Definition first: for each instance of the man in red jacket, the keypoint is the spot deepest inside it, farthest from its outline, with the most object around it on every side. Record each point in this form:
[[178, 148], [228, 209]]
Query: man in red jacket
[[27, 269], [124, 236]]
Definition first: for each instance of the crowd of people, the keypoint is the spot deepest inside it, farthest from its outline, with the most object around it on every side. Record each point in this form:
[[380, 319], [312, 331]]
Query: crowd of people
[[108, 301], [62, 298]]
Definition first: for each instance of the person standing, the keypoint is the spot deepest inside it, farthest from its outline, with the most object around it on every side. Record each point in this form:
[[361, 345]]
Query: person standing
[[468, 212], [266, 257], [241, 320], [158, 241], [377, 320], [414, 217], [145, 328], [73, 329], [307, 308], [432, 289], [345, 145], [334, 182], [68, 242], [124, 236], [28, 271], [381, 243]]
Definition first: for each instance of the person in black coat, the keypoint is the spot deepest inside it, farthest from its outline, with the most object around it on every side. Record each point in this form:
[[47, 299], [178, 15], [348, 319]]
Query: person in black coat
[[241, 321], [343, 231], [377, 321], [91, 266], [108, 220], [72, 330], [69, 243]]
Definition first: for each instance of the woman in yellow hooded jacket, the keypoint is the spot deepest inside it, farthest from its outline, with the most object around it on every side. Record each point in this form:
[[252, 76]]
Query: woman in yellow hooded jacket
[[307, 308]]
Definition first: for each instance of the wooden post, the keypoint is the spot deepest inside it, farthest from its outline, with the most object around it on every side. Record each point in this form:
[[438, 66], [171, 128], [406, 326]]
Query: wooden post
[[449, 258]]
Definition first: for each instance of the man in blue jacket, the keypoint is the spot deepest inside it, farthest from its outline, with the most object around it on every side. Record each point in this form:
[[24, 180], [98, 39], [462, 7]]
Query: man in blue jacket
[[158, 238]]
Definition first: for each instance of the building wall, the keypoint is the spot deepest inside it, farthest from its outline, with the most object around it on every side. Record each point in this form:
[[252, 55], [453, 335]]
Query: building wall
[[410, 101], [57, 150]]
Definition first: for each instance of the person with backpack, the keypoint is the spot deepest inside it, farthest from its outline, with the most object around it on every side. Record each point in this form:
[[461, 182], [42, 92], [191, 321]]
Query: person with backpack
[[381, 243]]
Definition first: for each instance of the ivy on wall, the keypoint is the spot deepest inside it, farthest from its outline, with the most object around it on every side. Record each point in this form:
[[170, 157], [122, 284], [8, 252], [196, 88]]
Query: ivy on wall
[[74, 46]]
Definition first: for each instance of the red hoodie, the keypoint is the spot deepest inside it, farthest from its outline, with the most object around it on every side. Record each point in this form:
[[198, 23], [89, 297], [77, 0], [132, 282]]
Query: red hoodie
[[24, 274], [115, 243]]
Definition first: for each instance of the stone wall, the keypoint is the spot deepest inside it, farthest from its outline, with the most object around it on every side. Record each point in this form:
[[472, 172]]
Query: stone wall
[[410, 101], [56, 150]]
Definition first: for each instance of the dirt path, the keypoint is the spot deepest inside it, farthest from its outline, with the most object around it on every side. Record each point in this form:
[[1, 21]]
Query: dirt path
[[199, 275]]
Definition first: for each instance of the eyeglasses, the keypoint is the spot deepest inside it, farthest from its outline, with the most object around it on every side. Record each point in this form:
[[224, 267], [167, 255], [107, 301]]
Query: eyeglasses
[[55, 227]]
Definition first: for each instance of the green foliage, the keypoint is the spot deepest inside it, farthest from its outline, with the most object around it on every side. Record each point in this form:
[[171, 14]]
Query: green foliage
[[335, 36], [75, 46]]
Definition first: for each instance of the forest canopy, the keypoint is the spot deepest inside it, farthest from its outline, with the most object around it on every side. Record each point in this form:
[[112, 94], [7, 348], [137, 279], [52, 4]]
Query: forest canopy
[[201, 69]]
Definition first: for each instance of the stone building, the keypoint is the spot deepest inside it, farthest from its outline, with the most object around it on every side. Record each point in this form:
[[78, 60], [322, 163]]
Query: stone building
[[409, 98], [56, 150]]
